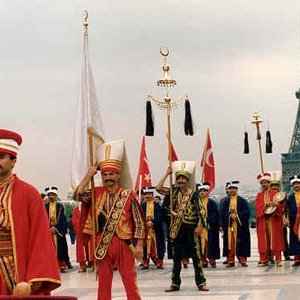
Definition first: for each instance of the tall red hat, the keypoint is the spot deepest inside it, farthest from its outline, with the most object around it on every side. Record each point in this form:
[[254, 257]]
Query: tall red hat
[[9, 142], [264, 176]]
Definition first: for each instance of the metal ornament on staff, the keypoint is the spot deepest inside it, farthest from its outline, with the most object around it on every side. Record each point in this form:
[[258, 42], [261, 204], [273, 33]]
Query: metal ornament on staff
[[168, 105], [256, 120]]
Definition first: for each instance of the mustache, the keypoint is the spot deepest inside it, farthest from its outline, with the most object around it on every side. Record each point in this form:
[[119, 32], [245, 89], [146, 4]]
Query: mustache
[[109, 180]]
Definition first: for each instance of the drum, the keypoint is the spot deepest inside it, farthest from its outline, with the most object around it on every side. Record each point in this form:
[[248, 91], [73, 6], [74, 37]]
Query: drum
[[279, 197], [270, 209]]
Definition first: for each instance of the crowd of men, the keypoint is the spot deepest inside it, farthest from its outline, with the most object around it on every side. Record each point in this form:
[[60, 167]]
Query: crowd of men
[[115, 227]]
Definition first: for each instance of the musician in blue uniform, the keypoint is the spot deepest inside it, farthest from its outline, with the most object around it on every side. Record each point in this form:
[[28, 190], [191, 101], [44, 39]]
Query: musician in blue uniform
[[235, 217], [58, 227], [154, 244], [293, 207], [209, 238]]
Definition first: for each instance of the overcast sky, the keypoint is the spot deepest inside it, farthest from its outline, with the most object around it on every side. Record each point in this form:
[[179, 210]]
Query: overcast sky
[[232, 58]]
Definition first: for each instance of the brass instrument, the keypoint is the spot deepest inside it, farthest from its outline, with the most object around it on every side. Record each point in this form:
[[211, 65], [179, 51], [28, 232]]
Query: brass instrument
[[232, 212], [149, 229], [277, 198]]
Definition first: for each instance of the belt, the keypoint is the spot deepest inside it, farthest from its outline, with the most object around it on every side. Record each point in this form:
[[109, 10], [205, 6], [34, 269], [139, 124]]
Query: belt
[[6, 246]]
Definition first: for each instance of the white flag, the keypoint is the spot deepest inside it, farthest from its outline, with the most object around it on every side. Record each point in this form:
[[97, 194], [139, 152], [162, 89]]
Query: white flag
[[88, 118]]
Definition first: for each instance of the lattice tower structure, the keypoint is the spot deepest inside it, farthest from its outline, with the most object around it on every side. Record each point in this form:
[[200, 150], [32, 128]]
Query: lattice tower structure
[[291, 161]]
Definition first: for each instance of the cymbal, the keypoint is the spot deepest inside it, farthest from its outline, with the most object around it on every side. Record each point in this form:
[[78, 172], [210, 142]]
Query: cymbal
[[279, 196], [270, 210]]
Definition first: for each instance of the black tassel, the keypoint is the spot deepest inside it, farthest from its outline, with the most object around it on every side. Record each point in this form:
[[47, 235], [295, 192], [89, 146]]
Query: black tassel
[[188, 122], [149, 119], [269, 143], [246, 143]]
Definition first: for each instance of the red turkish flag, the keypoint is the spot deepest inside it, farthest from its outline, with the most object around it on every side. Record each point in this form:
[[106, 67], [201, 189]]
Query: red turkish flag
[[143, 177], [173, 153], [208, 163]]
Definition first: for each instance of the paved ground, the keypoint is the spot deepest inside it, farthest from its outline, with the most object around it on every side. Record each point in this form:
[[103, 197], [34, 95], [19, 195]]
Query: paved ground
[[225, 283]]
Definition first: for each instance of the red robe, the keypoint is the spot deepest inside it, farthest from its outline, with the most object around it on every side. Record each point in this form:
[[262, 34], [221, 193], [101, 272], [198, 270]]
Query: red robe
[[130, 226], [84, 252], [34, 253], [277, 239]]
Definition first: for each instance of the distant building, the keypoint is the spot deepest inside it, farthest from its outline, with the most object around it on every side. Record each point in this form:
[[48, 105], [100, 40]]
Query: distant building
[[291, 161]]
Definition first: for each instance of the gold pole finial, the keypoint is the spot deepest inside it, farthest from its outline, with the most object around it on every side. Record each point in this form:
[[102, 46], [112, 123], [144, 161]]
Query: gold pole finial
[[166, 81], [86, 23]]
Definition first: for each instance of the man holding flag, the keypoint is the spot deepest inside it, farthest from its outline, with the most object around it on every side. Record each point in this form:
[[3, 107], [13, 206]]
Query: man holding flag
[[119, 220]]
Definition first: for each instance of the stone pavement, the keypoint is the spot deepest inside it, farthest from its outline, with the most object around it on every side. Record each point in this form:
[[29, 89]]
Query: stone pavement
[[268, 283]]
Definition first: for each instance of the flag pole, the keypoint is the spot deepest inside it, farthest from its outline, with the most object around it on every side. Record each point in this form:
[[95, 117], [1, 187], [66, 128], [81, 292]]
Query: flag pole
[[168, 102], [140, 187], [204, 156], [91, 153]]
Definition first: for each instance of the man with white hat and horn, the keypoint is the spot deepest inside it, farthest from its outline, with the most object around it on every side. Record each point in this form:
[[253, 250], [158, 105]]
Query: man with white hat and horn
[[187, 222], [293, 209], [209, 238], [28, 261], [154, 245], [119, 220], [269, 223], [58, 227], [235, 217]]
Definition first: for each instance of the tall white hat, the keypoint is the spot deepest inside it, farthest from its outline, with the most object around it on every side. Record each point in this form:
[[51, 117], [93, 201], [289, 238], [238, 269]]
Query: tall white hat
[[113, 157], [185, 168]]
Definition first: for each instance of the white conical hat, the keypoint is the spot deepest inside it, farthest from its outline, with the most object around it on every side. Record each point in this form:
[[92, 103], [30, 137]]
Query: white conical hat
[[113, 157], [185, 168]]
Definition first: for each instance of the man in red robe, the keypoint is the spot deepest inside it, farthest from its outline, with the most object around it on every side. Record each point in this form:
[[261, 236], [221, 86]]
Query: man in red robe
[[119, 221], [28, 262], [269, 223], [84, 251]]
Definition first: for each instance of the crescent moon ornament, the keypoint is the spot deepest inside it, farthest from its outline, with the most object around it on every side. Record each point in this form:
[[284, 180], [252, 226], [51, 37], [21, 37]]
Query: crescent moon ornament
[[86, 15], [164, 51], [208, 154]]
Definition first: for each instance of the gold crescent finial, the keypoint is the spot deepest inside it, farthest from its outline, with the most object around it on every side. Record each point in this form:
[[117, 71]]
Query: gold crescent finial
[[86, 23], [86, 16], [164, 51]]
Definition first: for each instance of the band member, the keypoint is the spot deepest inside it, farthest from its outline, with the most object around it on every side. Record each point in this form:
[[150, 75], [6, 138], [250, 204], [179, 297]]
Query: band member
[[187, 222], [84, 251], [28, 263], [269, 223], [119, 220], [235, 216], [58, 227], [275, 185], [293, 208], [221, 221], [155, 241], [209, 238], [166, 224]]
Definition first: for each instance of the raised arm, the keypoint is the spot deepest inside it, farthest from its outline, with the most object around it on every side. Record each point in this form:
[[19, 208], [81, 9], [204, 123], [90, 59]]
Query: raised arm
[[160, 186], [85, 181]]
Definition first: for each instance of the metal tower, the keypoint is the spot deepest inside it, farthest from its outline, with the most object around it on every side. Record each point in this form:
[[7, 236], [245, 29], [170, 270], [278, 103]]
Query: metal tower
[[291, 161]]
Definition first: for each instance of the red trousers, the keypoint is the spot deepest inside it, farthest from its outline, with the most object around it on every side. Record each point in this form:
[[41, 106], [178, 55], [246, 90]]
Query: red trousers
[[265, 256], [297, 258], [118, 256], [232, 252]]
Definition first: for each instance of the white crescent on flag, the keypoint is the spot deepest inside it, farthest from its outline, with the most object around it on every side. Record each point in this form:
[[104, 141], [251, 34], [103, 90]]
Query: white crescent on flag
[[207, 159]]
